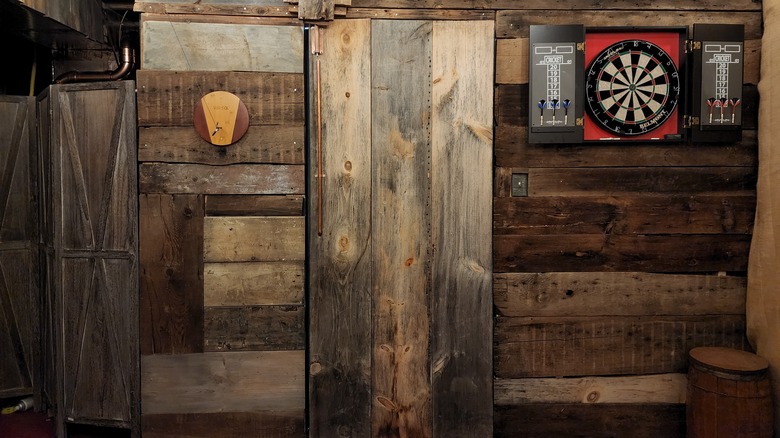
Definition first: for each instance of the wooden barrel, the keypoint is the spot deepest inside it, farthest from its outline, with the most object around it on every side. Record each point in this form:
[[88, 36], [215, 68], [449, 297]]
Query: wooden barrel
[[729, 394]]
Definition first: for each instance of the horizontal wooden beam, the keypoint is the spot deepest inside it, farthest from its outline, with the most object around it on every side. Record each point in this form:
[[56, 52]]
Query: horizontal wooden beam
[[737, 5], [254, 205], [253, 283], [223, 425], [242, 239], [236, 179], [254, 328]]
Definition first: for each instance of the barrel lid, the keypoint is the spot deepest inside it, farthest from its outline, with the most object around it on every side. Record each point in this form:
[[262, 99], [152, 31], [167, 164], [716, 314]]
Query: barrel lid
[[728, 360]]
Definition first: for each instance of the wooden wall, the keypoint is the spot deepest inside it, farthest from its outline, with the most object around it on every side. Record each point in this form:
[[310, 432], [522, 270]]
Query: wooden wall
[[621, 259], [222, 233]]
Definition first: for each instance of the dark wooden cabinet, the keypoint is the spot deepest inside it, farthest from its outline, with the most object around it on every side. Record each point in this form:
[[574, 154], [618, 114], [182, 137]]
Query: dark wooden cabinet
[[19, 288], [88, 147]]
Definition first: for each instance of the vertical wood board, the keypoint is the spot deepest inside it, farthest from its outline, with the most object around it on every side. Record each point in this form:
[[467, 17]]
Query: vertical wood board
[[461, 189], [340, 301], [180, 46], [401, 151]]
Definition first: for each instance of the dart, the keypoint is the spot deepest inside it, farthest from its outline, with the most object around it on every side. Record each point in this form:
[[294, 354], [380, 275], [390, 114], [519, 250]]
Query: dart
[[554, 107], [540, 105], [566, 105], [734, 102], [723, 104], [711, 103]]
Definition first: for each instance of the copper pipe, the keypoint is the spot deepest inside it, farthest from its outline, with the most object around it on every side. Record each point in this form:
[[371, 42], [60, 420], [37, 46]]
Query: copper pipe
[[128, 62]]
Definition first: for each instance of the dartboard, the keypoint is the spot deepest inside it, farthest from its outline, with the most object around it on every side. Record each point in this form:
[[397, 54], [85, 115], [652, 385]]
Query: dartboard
[[632, 87]]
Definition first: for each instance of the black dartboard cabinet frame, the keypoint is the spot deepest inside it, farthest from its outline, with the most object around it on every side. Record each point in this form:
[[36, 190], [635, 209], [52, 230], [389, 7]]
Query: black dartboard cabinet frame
[[635, 84]]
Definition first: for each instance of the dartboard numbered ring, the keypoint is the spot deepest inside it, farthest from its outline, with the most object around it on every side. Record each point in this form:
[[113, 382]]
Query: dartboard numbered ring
[[632, 87]]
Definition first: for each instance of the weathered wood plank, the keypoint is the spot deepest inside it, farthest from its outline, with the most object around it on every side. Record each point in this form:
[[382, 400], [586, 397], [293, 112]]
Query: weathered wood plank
[[19, 322], [632, 214], [168, 98], [315, 9], [593, 252], [18, 171], [589, 420], [512, 150], [235, 179], [419, 14], [514, 24], [659, 388], [461, 169], [181, 46], [623, 180], [265, 381], [340, 303], [255, 239], [254, 328], [608, 345], [253, 283], [224, 425], [251, 12], [261, 144], [249, 205], [171, 259], [512, 61], [401, 145], [739, 5], [617, 293]]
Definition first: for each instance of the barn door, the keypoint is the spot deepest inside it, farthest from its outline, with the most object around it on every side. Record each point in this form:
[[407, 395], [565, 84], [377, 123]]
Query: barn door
[[400, 235], [91, 232], [19, 293]]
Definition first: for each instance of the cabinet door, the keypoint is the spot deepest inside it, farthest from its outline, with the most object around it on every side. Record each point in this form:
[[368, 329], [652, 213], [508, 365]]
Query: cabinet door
[[95, 272], [19, 299]]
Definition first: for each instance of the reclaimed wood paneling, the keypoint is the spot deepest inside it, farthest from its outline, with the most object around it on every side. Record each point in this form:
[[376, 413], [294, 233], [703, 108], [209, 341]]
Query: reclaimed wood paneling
[[250, 205], [657, 388], [588, 420], [261, 144], [167, 98], [224, 382], [558, 4], [617, 293], [608, 345], [236, 179], [255, 328], [242, 239], [94, 269], [514, 24], [643, 253], [315, 9], [340, 303], [631, 214], [461, 170], [182, 46], [401, 145], [224, 425], [257, 11], [419, 14], [171, 230], [20, 300], [253, 283], [512, 150]]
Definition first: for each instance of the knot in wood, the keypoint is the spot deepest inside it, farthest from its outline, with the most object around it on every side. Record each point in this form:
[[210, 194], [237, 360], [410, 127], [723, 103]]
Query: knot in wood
[[593, 396]]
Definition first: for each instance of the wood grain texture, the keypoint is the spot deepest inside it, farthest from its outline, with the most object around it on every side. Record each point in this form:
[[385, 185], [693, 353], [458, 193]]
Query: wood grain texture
[[252, 381], [250, 205], [419, 14], [274, 12], [512, 150], [558, 4], [171, 230], [261, 144], [182, 46], [253, 283], [598, 253], [514, 24], [657, 388], [243, 239], [340, 303], [18, 171], [256, 328], [224, 425], [401, 226], [167, 98], [608, 345], [236, 179], [627, 214], [588, 420], [461, 170], [617, 293], [315, 9]]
